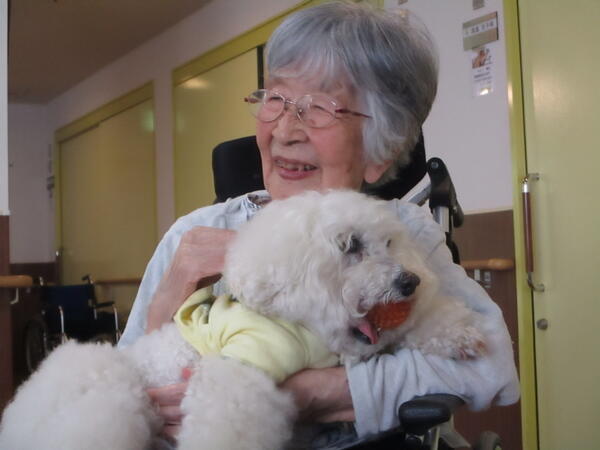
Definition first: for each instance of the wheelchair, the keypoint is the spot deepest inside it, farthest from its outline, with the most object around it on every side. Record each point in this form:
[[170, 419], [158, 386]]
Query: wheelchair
[[425, 422], [68, 312]]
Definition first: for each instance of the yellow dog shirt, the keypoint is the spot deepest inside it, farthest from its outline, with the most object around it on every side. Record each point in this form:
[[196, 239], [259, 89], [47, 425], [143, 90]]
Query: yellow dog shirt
[[221, 325]]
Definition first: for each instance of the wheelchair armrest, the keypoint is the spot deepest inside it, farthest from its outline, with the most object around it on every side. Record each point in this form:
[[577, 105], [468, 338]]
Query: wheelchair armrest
[[97, 306], [417, 417], [422, 413]]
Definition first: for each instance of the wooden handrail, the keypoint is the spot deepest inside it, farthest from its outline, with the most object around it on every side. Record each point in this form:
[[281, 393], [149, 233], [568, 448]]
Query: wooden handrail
[[15, 281], [108, 281], [494, 264]]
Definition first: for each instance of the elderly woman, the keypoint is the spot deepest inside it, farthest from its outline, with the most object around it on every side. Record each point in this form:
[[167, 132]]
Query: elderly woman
[[347, 91]]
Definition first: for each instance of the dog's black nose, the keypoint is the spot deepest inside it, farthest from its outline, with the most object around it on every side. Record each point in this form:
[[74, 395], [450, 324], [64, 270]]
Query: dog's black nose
[[406, 283]]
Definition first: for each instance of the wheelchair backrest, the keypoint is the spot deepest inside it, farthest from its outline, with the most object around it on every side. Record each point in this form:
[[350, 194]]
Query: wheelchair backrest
[[76, 300]]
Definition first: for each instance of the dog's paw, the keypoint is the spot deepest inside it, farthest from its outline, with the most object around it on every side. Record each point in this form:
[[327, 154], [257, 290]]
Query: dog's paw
[[468, 345], [455, 343]]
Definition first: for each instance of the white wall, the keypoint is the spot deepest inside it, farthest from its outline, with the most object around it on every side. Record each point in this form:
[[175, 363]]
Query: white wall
[[471, 134], [30, 158]]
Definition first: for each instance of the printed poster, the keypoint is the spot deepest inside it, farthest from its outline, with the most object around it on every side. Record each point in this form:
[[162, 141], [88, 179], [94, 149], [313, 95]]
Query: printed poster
[[482, 64]]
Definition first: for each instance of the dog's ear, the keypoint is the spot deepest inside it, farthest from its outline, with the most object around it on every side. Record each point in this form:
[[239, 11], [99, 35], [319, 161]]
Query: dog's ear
[[253, 281]]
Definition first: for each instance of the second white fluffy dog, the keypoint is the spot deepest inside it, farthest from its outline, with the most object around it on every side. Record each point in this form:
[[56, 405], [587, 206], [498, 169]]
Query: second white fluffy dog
[[315, 264]]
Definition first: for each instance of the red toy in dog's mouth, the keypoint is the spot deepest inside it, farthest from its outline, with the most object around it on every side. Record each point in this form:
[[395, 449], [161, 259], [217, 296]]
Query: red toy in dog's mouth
[[383, 316]]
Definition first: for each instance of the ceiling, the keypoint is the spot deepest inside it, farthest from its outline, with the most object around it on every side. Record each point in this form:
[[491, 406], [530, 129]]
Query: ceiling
[[54, 44]]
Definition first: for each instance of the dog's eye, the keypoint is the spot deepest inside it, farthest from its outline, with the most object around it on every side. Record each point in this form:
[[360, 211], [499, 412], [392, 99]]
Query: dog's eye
[[352, 245], [355, 245]]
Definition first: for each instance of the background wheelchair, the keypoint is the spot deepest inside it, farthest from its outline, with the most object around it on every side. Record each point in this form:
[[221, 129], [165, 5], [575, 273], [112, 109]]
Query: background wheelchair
[[68, 312], [425, 422]]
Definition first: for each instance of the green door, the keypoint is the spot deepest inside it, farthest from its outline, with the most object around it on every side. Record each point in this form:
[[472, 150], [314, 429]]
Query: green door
[[107, 200], [209, 109]]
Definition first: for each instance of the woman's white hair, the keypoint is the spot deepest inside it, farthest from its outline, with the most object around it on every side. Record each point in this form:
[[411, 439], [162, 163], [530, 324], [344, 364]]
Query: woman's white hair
[[387, 59]]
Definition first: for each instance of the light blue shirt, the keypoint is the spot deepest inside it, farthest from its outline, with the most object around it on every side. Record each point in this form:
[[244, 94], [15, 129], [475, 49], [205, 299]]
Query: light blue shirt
[[380, 385]]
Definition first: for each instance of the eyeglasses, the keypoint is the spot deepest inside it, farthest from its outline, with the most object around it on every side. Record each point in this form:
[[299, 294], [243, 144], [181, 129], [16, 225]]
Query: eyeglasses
[[314, 110]]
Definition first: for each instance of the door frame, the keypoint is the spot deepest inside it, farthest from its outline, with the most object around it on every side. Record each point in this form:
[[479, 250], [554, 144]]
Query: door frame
[[252, 38], [527, 367]]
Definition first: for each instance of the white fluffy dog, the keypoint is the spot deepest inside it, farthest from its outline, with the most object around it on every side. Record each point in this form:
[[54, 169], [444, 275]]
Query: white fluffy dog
[[321, 260]]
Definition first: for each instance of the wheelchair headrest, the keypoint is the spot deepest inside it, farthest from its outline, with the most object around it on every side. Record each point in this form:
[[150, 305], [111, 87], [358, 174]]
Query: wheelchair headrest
[[237, 170], [406, 178]]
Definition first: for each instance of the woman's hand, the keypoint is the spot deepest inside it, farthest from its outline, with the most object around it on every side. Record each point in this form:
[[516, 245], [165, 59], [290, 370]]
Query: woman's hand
[[322, 395], [167, 400], [198, 262]]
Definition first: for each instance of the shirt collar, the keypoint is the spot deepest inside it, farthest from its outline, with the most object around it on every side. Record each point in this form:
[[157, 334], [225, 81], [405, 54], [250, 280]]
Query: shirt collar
[[256, 200]]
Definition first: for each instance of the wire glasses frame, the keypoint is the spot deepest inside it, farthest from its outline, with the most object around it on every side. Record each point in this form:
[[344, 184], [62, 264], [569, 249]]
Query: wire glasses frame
[[314, 110]]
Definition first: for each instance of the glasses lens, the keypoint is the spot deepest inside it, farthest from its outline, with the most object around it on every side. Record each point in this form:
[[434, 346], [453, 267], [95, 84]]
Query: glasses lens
[[265, 105], [316, 111]]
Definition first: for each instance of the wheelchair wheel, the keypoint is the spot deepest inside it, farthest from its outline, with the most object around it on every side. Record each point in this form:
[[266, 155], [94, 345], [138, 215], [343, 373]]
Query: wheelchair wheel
[[35, 344], [488, 440]]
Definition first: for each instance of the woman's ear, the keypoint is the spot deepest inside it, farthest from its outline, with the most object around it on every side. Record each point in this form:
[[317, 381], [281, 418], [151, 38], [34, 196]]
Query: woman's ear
[[373, 172]]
